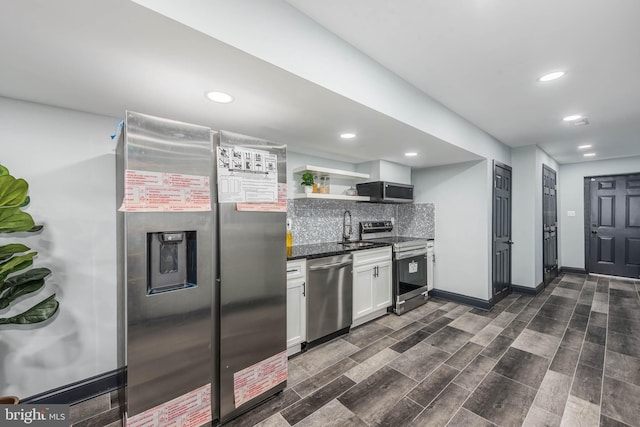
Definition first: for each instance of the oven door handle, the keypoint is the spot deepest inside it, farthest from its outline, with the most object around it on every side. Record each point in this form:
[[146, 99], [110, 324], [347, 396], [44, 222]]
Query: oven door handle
[[410, 254]]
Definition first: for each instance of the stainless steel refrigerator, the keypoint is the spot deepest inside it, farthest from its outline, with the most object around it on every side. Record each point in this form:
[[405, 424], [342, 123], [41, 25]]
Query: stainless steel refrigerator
[[252, 270], [202, 287]]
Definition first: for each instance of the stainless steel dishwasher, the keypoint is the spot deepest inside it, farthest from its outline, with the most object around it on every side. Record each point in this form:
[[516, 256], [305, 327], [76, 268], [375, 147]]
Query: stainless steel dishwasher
[[329, 297]]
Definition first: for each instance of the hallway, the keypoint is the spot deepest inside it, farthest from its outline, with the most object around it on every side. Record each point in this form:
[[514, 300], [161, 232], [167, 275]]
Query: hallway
[[570, 356]]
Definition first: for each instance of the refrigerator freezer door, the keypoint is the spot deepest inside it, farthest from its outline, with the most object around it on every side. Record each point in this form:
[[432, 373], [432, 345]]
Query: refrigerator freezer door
[[252, 250], [165, 293]]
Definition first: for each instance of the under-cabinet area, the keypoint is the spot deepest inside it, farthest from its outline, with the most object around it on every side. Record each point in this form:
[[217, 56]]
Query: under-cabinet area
[[373, 267], [331, 288]]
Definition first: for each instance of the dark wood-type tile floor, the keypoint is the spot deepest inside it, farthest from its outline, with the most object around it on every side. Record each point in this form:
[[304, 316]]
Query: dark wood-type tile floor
[[569, 356]]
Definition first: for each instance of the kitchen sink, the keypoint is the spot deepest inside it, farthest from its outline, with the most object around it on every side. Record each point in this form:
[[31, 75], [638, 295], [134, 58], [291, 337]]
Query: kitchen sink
[[353, 245]]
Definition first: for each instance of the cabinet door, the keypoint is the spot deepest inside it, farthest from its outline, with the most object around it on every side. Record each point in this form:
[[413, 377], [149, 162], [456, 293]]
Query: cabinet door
[[362, 291], [296, 312], [382, 286]]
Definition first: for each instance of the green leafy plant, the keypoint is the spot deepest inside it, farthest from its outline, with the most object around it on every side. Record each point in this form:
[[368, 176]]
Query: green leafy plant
[[16, 277], [307, 178]]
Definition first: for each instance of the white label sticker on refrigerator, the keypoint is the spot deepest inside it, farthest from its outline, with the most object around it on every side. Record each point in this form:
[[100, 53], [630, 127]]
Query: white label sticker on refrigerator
[[192, 409], [280, 206], [256, 379], [413, 267], [246, 175], [147, 191]]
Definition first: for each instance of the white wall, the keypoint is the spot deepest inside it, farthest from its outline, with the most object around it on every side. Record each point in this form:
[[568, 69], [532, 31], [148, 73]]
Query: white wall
[[67, 158], [394, 172], [527, 214], [571, 198], [382, 170], [523, 205], [460, 194]]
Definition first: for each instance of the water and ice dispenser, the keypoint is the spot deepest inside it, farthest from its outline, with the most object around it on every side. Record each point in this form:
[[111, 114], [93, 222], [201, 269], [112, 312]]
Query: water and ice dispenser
[[171, 261]]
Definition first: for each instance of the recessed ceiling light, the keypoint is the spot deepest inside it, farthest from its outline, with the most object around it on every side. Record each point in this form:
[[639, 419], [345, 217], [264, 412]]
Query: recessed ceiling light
[[589, 154], [582, 122], [411, 154], [551, 76], [347, 135], [220, 97], [572, 118], [584, 147]]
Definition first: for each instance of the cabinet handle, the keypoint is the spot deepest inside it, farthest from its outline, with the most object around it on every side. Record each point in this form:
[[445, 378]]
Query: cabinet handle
[[303, 289]]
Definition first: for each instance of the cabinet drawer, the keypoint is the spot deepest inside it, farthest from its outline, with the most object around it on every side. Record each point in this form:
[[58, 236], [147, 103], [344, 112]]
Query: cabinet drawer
[[368, 256], [296, 269]]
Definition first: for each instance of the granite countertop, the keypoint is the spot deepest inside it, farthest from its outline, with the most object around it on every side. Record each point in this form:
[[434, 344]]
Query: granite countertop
[[319, 250]]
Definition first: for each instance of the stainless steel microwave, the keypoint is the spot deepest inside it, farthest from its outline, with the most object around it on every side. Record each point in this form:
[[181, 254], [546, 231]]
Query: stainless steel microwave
[[386, 192]]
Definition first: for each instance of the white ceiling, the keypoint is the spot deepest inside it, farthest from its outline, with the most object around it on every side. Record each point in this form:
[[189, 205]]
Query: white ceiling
[[108, 56], [479, 58]]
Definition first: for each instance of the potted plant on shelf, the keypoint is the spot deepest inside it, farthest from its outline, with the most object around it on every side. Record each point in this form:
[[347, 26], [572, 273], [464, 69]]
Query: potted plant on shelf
[[307, 182], [17, 279]]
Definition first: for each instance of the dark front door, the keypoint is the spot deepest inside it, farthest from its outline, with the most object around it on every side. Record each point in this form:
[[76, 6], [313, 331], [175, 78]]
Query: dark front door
[[614, 228], [501, 230], [549, 224]]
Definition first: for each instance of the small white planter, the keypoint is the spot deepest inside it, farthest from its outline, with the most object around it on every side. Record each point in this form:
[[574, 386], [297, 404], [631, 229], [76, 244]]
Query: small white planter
[[308, 189]]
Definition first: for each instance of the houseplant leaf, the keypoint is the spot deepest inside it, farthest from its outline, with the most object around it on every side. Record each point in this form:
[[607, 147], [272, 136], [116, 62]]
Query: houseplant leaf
[[27, 276], [13, 191], [15, 264], [18, 291], [16, 257], [13, 220], [9, 250], [38, 313]]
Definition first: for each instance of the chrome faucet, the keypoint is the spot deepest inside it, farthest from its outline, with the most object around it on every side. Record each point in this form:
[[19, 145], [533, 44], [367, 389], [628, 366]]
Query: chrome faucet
[[346, 228]]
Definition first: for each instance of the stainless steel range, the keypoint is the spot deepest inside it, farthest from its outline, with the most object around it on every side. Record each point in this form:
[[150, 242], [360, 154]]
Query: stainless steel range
[[412, 264]]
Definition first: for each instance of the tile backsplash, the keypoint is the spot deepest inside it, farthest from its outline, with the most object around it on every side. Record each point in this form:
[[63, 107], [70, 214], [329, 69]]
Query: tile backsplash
[[316, 221]]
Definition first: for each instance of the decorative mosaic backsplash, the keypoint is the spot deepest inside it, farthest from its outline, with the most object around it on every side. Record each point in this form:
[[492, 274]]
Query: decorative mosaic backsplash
[[317, 221]]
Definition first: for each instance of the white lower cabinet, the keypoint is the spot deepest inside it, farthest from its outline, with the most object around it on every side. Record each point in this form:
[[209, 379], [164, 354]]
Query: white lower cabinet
[[372, 292], [296, 306]]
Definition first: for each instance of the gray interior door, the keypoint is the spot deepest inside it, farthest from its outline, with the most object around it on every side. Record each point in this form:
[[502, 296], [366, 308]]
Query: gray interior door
[[549, 224], [614, 227], [501, 230]]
